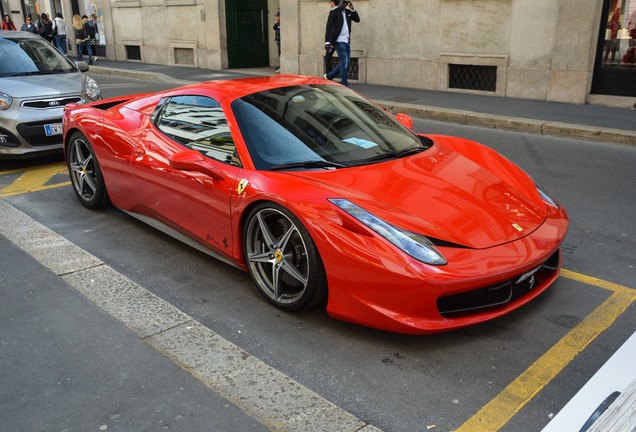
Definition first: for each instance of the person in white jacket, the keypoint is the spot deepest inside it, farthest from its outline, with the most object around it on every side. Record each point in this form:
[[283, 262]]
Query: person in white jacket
[[60, 38]]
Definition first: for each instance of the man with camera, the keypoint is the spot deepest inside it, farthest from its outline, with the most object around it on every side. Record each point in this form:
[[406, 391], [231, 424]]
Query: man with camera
[[338, 37]]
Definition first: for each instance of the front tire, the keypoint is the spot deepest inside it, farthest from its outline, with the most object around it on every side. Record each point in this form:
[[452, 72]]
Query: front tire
[[283, 259], [86, 175]]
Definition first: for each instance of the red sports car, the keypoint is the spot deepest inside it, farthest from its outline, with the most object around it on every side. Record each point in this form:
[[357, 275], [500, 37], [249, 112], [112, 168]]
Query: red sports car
[[324, 197]]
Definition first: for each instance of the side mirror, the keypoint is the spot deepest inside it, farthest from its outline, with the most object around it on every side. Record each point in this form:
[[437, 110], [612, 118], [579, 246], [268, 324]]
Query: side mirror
[[192, 160], [82, 66], [405, 119]]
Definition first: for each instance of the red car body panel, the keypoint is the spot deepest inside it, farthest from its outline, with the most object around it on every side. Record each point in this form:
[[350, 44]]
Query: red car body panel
[[493, 224]]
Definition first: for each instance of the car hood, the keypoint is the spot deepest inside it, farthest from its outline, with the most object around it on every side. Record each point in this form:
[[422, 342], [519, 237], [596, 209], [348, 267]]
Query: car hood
[[37, 86], [476, 199]]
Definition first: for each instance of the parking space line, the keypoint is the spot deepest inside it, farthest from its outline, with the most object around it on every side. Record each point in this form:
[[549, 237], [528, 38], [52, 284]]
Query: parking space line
[[589, 280], [34, 180], [496, 413]]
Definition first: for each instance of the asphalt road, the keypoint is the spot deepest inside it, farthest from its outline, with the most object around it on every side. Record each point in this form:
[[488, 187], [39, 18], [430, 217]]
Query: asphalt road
[[402, 383]]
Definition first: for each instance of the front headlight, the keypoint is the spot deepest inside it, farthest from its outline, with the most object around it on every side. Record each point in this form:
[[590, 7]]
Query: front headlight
[[91, 88], [417, 246], [5, 101], [545, 196]]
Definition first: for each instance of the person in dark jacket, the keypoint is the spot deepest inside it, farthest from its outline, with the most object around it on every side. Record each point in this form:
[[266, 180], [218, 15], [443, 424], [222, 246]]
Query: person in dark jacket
[[46, 29], [338, 35], [91, 31], [277, 36], [28, 25], [82, 39]]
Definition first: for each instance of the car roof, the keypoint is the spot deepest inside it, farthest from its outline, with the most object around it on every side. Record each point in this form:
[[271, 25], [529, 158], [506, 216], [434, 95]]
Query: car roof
[[9, 34], [236, 88]]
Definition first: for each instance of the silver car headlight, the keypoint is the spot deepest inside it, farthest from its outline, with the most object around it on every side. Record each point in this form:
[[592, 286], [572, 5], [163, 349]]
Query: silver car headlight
[[91, 88], [545, 196], [5, 101], [416, 245]]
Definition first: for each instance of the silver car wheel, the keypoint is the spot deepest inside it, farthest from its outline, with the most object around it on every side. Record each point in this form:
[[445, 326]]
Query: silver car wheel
[[277, 256], [86, 175], [81, 168]]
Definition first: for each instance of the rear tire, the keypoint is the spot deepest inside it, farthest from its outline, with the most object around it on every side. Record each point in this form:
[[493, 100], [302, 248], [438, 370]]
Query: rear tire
[[86, 175]]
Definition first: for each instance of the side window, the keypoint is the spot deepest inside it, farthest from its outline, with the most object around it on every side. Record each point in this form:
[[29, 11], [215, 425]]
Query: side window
[[198, 122]]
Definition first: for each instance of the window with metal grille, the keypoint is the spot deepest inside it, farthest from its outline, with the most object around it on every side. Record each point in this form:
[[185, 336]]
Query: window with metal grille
[[471, 77], [353, 67], [133, 52]]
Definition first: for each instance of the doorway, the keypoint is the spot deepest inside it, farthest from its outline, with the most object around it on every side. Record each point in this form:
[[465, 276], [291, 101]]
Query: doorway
[[247, 44]]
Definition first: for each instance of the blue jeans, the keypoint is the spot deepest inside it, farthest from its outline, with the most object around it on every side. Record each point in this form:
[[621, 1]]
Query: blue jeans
[[89, 50], [60, 43], [344, 53]]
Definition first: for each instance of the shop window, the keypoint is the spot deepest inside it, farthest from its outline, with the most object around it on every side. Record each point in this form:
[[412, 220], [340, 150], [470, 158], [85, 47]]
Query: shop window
[[619, 45], [615, 71]]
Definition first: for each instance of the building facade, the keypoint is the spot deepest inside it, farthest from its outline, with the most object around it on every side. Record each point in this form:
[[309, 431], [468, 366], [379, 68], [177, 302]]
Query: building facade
[[576, 51]]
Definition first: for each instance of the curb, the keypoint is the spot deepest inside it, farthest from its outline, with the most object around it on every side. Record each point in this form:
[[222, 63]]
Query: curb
[[260, 391], [469, 118], [150, 76], [514, 124]]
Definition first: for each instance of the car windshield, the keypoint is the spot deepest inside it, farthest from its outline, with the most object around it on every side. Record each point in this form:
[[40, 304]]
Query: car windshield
[[320, 127], [31, 56]]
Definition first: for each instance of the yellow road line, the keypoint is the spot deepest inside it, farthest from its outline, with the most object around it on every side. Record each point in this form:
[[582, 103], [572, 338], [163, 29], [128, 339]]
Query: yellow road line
[[34, 180], [496, 413], [589, 280]]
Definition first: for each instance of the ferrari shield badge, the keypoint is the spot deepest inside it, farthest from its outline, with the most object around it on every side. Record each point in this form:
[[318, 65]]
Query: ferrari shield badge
[[515, 226], [242, 185]]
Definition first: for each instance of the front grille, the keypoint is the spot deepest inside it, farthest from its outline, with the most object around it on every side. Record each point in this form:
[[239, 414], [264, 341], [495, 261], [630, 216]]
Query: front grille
[[494, 296], [35, 135], [52, 103]]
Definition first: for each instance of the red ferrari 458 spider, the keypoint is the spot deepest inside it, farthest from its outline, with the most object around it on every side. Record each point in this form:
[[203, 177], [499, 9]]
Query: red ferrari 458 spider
[[324, 197]]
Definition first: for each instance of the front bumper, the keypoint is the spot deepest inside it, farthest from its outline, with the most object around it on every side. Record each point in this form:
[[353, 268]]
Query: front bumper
[[23, 127], [393, 293]]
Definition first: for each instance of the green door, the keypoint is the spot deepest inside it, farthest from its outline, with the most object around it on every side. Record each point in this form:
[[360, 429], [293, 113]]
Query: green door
[[247, 44]]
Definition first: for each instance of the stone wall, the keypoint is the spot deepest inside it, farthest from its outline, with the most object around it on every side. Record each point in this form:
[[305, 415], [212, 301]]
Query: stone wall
[[540, 49]]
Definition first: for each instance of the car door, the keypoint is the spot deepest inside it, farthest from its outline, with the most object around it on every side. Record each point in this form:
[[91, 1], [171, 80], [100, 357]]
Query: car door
[[186, 169]]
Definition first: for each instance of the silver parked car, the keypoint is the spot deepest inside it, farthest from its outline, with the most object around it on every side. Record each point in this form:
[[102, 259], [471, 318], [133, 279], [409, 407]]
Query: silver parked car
[[36, 81]]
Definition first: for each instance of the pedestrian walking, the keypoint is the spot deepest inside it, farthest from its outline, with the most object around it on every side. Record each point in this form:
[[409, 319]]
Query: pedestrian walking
[[91, 30], [46, 28], [28, 25], [338, 35], [7, 23], [277, 36], [82, 39], [60, 37]]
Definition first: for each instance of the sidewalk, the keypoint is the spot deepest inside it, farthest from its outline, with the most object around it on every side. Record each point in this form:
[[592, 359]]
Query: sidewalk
[[83, 348], [588, 122], [67, 365]]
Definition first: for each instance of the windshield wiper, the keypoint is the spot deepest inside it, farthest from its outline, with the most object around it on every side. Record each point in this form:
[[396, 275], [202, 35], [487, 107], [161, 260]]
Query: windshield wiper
[[394, 155], [308, 164], [55, 71], [25, 73], [381, 157], [409, 151]]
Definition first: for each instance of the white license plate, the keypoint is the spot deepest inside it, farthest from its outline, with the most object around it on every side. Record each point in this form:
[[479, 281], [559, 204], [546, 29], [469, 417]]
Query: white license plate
[[53, 129]]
